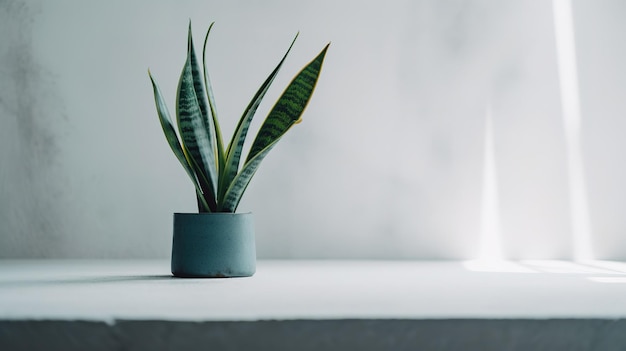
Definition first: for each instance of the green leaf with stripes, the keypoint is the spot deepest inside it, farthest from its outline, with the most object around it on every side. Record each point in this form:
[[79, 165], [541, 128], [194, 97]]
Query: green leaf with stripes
[[199, 145], [289, 107], [236, 144], [205, 109], [196, 138], [286, 112], [198, 86], [240, 183], [221, 156], [172, 139]]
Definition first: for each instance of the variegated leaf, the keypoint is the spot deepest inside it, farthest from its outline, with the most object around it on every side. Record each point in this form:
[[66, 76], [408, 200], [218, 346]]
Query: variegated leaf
[[196, 139], [235, 147], [286, 113], [240, 183], [221, 156], [172, 139], [289, 107]]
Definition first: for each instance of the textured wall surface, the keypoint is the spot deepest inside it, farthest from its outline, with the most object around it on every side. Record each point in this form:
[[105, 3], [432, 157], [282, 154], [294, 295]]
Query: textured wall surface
[[32, 118], [387, 164]]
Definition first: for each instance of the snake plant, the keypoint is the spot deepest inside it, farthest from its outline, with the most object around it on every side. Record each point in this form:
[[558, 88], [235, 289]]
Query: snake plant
[[216, 170]]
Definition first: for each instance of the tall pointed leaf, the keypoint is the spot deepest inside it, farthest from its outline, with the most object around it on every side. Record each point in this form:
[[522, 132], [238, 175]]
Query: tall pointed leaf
[[240, 183], [209, 94], [289, 107], [172, 139], [198, 86], [196, 139], [283, 116], [236, 144]]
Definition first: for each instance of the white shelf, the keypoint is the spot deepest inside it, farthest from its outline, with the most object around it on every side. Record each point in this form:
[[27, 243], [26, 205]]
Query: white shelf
[[106, 291]]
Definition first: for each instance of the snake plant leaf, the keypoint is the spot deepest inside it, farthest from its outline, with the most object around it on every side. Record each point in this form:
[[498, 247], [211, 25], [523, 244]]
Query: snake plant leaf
[[289, 107], [203, 103], [209, 94], [213, 167], [196, 138], [198, 86], [172, 138], [236, 144], [285, 113], [206, 200], [240, 183]]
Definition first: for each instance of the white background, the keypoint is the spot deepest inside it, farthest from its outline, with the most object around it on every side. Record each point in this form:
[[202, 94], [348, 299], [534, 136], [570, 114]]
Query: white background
[[389, 161]]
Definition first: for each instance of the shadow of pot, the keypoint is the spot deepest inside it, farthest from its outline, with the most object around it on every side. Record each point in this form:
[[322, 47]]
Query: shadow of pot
[[213, 245]]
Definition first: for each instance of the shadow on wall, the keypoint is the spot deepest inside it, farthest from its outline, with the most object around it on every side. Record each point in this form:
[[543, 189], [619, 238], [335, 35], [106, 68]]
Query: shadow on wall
[[31, 197]]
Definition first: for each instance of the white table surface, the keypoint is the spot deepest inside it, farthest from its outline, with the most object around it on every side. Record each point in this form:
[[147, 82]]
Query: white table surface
[[109, 290]]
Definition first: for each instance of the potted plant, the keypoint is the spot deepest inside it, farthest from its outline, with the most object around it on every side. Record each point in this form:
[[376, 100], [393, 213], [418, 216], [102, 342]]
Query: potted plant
[[217, 241]]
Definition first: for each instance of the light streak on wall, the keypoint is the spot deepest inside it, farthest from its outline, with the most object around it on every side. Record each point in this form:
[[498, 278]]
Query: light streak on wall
[[570, 102]]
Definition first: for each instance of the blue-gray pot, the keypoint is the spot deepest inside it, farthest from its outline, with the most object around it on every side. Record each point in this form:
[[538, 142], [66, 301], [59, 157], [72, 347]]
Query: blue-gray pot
[[213, 245]]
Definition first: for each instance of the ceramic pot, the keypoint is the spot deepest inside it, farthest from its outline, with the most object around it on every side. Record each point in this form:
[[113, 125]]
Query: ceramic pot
[[213, 245]]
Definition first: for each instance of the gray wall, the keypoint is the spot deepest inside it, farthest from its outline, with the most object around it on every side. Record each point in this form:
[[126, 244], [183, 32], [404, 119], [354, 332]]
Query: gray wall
[[388, 162]]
